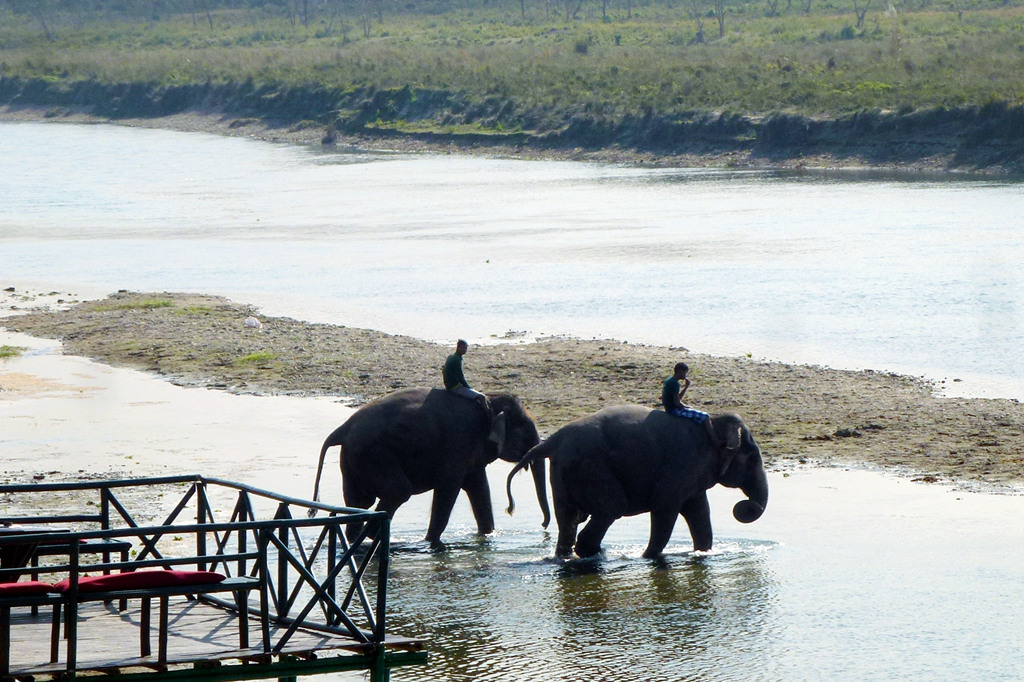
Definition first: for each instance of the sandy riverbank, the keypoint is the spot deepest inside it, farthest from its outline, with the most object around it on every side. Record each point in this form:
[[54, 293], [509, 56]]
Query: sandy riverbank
[[798, 413], [313, 135]]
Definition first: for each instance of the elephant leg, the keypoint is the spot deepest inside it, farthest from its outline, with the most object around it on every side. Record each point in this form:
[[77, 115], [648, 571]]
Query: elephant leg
[[697, 513], [393, 491], [479, 492], [589, 541], [356, 495], [662, 523], [568, 520], [440, 512]]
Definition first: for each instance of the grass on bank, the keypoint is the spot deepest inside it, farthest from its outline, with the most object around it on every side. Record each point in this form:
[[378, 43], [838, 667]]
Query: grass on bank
[[903, 56], [11, 351], [146, 304]]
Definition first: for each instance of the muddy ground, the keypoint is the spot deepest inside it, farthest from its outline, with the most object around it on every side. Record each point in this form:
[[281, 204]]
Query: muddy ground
[[797, 413]]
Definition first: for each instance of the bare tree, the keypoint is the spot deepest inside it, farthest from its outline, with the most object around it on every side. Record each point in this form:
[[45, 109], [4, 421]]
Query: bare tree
[[773, 8], [366, 17], [695, 12], [720, 15], [196, 4], [860, 8], [572, 8], [43, 11]]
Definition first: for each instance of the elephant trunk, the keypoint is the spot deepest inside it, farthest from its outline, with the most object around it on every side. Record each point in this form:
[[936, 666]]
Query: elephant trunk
[[537, 468], [750, 510]]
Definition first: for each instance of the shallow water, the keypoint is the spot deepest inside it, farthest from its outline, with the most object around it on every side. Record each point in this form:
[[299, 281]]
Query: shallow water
[[850, 574], [857, 270]]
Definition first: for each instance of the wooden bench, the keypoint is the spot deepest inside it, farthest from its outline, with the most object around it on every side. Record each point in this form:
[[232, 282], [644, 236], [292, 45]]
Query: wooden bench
[[161, 585], [104, 547]]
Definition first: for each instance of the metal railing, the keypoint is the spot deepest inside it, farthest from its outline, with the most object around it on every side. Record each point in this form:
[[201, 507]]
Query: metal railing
[[313, 575]]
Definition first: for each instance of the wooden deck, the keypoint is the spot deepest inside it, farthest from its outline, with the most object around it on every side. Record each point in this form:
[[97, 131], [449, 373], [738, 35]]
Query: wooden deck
[[108, 640], [298, 568]]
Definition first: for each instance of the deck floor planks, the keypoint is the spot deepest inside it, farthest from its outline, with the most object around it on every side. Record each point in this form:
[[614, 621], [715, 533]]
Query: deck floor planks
[[108, 639]]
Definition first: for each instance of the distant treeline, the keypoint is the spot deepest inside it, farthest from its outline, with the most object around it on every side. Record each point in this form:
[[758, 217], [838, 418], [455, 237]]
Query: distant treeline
[[52, 15]]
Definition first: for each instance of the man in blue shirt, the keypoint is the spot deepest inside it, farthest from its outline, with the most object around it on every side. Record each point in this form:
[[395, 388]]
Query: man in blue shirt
[[672, 392]]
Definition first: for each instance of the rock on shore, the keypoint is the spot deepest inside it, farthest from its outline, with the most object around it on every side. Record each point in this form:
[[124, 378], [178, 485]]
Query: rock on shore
[[797, 413]]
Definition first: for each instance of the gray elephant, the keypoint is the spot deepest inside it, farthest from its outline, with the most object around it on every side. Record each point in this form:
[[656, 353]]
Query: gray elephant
[[628, 460], [420, 439]]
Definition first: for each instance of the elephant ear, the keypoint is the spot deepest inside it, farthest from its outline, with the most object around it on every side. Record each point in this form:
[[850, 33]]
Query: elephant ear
[[497, 434], [731, 438]]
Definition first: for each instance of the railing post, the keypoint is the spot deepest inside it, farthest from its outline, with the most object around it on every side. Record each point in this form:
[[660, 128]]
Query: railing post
[[262, 537], [332, 561], [282, 564], [243, 541], [71, 610], [105, 508], [383, 561], [201, 505], [380, 671]]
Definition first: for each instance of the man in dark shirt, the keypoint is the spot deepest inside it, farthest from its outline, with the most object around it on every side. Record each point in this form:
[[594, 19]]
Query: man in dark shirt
[[455, 380]]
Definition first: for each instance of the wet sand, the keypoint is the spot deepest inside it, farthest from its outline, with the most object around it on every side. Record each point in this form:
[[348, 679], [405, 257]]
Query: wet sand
[[797, 413]]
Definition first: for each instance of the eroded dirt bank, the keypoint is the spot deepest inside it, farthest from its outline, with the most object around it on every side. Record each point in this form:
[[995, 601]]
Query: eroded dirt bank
[[796, 412]]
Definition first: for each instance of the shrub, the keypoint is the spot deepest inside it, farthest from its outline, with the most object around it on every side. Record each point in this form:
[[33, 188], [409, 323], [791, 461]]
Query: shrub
[[10, 351]]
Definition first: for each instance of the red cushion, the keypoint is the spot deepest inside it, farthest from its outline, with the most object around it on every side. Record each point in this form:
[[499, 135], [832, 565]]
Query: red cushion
[[29, 587], [141, 580]]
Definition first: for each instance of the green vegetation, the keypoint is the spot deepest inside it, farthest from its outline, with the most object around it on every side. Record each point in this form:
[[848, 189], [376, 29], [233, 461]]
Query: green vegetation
[[590, 71], [913, 54], [11, 351], [257, 358], [145, 304]]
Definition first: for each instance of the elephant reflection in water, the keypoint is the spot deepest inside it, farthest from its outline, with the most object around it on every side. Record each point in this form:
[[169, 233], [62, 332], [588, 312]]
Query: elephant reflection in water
[[628, 460], [688, 622]]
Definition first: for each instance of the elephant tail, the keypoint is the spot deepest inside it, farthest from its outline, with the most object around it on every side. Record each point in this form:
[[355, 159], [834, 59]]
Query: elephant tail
[[534, 459], [334, 439]]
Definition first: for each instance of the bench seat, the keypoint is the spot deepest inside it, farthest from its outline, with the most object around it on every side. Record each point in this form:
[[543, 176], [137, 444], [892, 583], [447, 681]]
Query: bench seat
[[32, 594], [161, 585]]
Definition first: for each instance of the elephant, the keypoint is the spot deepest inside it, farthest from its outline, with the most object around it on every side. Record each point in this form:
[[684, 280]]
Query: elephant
[[420, 439], [628, 459]]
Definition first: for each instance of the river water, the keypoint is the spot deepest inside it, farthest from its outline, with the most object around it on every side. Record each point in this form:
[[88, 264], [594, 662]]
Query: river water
[[850, 574], [855, 270]]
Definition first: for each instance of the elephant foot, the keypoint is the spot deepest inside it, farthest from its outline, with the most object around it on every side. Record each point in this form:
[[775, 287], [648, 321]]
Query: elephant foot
[[435, 544]]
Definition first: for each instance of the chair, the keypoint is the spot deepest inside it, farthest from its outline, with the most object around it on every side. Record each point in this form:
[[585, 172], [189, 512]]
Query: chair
[[32, 593]]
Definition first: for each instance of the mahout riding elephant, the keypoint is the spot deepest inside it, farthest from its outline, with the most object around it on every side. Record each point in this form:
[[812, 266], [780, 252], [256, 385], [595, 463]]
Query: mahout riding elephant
[[420, 439], [628, 460]]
